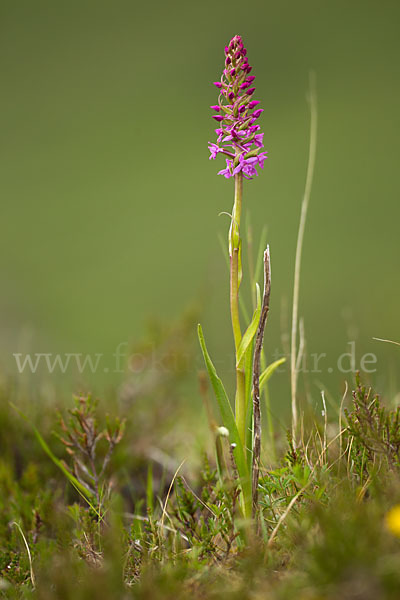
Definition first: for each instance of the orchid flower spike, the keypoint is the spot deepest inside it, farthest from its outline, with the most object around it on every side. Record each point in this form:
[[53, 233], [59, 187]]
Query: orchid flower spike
[[239, 137]]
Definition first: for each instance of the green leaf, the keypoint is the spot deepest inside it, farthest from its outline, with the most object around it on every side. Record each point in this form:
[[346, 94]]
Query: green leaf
[[229, 422], [269, 371], [224, 405], [250, 332], [248, 370]]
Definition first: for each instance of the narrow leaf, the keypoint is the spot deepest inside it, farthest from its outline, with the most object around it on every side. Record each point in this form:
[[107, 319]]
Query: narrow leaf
[[248, 369], [269, 371], [229, 422], [250, 332], [224, 405]]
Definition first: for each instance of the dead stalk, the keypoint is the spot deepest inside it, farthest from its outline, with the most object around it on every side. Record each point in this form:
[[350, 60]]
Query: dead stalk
[[256, 375]]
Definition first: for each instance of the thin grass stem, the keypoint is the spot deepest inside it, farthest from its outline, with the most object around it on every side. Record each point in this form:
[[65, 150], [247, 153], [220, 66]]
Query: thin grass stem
[[300, 237]]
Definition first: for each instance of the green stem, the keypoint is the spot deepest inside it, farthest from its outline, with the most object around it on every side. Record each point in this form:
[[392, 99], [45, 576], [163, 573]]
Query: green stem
[[234, 253], [235, 278], [251, 263]]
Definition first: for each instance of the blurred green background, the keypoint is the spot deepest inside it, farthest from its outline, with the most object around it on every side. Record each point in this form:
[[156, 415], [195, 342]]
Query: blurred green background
[[109, 202]]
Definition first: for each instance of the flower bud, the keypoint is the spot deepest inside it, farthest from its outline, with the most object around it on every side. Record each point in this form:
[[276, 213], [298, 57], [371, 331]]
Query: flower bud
[[223, 431]]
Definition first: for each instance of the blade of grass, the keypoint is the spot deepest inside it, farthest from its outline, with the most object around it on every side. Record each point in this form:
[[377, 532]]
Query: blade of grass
[[299, 248], [32, 574]]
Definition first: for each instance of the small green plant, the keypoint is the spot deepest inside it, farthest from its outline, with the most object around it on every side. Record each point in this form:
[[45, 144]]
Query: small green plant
[[81, 437], [374, 431]]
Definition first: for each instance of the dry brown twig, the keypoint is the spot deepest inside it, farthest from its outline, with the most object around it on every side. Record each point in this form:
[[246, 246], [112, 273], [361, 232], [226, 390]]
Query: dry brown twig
[[256, 375]]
